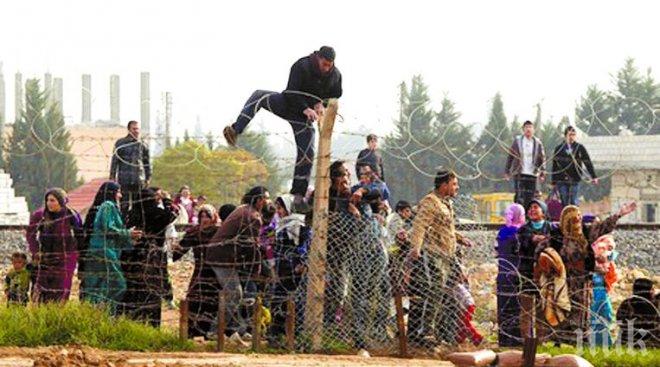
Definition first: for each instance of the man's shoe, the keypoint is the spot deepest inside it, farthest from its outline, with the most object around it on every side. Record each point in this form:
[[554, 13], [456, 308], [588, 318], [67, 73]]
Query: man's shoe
[[230, 135]]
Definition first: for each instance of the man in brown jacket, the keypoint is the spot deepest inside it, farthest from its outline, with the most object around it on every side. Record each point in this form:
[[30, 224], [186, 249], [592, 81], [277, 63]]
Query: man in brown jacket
[[234, 248], [432, 256], [526, 164]]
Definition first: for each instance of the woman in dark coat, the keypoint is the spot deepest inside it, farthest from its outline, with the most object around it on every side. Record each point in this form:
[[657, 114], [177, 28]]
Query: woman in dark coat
[[145, 265], [53, 236], [508, 309], [202, 295]]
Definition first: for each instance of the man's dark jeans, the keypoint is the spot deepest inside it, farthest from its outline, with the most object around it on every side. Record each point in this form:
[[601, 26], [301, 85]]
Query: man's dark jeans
[[568, 193], [303, 132], [525, 187]]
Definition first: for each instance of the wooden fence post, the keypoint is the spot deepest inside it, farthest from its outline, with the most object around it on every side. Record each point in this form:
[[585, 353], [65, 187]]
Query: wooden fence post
[[256, 324], [222, 322], [183, 320], [401, 325], [290, 323], [316, 270]]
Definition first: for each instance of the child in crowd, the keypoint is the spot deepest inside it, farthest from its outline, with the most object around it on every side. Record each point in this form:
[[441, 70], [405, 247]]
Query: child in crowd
[[604, 277], [466, 309], [18, 280], [399, 225]]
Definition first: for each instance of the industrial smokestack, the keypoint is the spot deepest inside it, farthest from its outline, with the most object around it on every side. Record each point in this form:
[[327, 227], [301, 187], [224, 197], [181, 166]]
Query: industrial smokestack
[[145, 103], [18, 92], [86, 117], [57, 92], [114, 98], [3, 100], [168, 118]]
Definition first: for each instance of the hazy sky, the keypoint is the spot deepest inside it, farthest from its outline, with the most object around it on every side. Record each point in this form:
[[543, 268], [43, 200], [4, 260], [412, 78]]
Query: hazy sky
[[211, 55]]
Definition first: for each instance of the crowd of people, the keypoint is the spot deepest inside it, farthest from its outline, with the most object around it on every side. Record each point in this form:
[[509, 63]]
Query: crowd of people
[[257, 252]]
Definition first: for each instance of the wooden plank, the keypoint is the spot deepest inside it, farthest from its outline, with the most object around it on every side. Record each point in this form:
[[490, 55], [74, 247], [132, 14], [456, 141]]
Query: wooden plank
[[316, 271]]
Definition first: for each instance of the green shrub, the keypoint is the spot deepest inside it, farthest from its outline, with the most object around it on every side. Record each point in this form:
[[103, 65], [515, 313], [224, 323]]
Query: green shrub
[[82, 324]]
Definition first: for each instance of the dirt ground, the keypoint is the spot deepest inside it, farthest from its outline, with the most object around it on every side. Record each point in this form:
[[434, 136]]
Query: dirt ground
[[82, 356]]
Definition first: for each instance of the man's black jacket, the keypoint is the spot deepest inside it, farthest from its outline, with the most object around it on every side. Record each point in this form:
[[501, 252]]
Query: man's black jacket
[[567, 167], [129, 158], [307, 86]]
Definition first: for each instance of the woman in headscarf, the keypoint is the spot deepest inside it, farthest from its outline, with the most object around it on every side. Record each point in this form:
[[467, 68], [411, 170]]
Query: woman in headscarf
[[578, 257], [533, 237], [103, 279], [186, 203], [292, 240], [202, 295], [145, 264], [53, 236], [508, 309]]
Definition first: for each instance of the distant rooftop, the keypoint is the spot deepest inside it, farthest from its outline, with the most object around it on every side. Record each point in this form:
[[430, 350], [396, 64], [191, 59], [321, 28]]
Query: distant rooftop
[[623, 151]]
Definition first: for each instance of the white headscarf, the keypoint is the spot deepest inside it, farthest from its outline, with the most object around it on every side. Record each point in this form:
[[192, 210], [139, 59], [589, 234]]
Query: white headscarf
[[292, 222]]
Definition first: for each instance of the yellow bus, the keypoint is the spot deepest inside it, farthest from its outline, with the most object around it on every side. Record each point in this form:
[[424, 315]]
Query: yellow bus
[[490, 207]]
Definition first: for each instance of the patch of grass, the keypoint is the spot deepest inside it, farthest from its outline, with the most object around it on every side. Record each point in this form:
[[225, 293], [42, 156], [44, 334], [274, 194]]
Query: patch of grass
[[82, 324], [613, 357]]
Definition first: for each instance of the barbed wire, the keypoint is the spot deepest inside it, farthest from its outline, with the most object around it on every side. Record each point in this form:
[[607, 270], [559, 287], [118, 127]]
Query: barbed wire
[[367, 269]]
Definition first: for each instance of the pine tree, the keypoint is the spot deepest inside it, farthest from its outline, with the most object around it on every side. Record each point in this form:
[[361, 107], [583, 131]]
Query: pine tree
[[40, 148], [408, 152], [454, 143], [595, 113], [186, 136], [637, 96], [492, 149]]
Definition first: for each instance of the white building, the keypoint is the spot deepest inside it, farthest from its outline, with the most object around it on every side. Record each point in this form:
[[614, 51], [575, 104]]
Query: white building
[[633, 162], [13, 210]]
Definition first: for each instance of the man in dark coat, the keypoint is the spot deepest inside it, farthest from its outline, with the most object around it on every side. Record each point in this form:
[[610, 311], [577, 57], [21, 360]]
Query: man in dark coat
[[313, 79], [130, 166], [568, 163]]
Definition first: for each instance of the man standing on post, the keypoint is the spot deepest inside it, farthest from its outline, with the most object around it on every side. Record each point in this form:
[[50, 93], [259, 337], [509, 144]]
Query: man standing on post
[[312, 80], [567, 167], [526, 163], [432, 256], [370, 157], [130, 166]]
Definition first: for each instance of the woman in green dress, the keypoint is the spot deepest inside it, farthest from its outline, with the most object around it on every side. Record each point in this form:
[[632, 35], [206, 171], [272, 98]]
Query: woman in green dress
[[103, 279]]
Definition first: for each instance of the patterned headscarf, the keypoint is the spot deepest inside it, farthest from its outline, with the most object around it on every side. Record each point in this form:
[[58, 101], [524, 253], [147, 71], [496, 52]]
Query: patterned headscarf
[[570, 227]]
